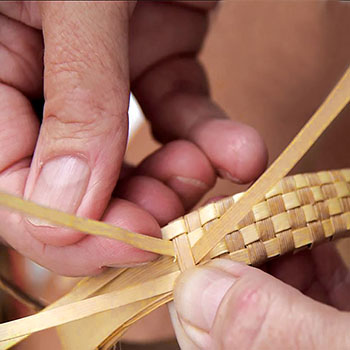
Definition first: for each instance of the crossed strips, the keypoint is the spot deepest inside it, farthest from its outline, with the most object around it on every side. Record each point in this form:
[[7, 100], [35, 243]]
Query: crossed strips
[[327, 112]]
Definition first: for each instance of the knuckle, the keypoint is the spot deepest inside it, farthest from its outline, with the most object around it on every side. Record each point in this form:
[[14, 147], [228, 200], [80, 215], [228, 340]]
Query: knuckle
[[260, 314], [67, 58], [80, 52], [30, 14], [80, 114], [70, 67], [251, 311]]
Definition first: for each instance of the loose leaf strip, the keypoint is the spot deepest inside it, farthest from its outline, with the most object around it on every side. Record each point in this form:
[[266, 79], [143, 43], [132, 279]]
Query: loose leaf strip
[[85, 288], [87, 307], [88, 287], [311, 141], [85, 335], [327, 112], [20, 295], [90, 226], [152, 304]]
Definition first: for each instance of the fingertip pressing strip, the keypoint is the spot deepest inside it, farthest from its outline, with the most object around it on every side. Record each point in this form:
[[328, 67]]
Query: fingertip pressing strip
[[298, 212]]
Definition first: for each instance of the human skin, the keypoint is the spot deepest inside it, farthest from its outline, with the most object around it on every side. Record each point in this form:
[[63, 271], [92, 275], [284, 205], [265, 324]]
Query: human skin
[[276, 93], [131, 193], [93, 53], [228, 305]]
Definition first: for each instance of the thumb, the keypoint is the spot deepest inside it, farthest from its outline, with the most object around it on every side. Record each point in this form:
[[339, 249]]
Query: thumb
[[227, 305], [83, 135]]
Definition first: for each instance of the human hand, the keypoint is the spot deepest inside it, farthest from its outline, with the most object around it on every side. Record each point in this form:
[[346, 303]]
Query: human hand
[[93, 52], [227, 305]]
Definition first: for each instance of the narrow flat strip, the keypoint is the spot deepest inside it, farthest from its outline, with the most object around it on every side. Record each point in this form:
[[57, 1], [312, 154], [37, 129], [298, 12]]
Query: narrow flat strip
[[20, 295], [327, 112], [82, 290], [89, 226], [81, 309], [151, 306]]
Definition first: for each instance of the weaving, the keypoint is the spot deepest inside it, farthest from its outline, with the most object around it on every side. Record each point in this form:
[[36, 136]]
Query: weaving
[[265, 222]]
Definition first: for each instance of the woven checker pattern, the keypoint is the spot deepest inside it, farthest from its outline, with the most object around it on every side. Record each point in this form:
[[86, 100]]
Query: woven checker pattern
[[300, 211]]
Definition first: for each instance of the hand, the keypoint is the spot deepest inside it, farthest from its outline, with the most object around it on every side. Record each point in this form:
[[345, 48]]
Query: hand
[[93, 53], [227, 305]]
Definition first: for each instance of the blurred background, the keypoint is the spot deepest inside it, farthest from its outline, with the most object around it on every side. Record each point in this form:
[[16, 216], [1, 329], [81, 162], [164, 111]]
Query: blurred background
[[270, 64]]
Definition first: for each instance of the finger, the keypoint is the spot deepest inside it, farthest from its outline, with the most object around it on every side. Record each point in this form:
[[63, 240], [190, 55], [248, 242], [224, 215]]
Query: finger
[[26, 12], [182, 338], [153, 196], [227, 305], [235, 150], [173, 91], [18, 134], [325, 276], [201, 5], [183, 167], [284, 269], [21, 57], [94, 253], [149, 45], [91, 254], [332, 274], [307, 282], [169, 181], [83, 135]]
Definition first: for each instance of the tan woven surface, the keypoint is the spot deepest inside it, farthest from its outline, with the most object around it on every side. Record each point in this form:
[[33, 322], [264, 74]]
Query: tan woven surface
[[298, 212]]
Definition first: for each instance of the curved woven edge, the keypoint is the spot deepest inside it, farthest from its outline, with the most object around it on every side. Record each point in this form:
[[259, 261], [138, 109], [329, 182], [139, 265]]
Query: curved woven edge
[[300, 211], [255, 250]]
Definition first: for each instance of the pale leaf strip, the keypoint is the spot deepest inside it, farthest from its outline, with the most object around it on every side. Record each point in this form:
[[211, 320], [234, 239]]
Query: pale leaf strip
[[82, 290], [20, 295], [81, 309], [89, 226]]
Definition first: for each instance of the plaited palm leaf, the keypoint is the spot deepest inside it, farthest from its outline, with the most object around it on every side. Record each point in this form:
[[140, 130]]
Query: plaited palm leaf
[[269, 220]]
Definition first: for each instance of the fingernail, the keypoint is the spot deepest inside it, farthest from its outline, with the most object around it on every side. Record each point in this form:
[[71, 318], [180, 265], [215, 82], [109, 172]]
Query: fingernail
[[198, 295], [189, 189], [189, 181], [226, 175], [197, 336], [61, 184]]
